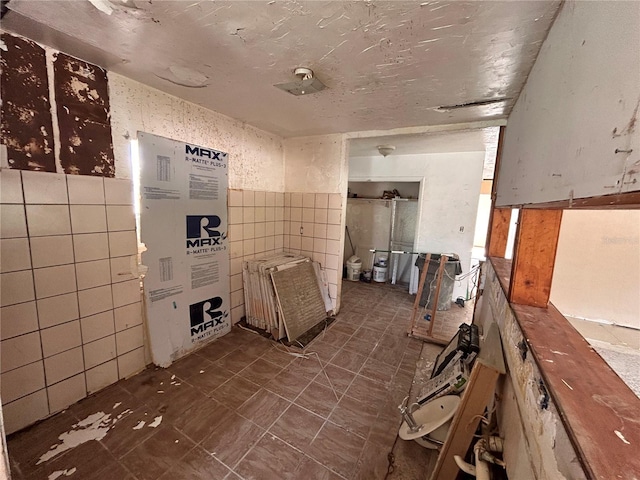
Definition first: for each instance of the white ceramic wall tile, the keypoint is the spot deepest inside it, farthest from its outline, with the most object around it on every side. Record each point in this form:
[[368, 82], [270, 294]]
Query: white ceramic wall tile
[[63, 365], [237, 298], [235, 232], [260, 214], [66, 393], [125, 293], [295, 241], [18, 351], [296, 200], [128, 316], [332, 275], [307, 244], [93, 274], [51, 251], [321, 215], [99, 351], [279, 242], [97, 326], [296, 214], [308, 200], [307, 229], [18, 319], [260, 199], [335, 200], [45, 188], [308, 215], [124, 268], [319, 245], [59, 309], [14, 253], [248, 231], [260, 229], [95, 300], [51, 281], [102, 376], [248, 214], [248, 247], [16, 287], [235, 198], [235, 282], [88, 218], [279, 213], [332, 262], [235, 266], [13, 222], [270, 199], [322, 200], [333, 247], [333, 232], [25, 411], [123, 243], [118, 191], [235, 249], [60, 338], [121, 217], [91, 246], [131, 363], [333, 217], [259, 245], [235, 215], [22, 381], [269, 243], [333, 292], [248, 198], [320, 230], [129, 339], [10, 186], [46, 220], [279, 228], [280, 199], [270, 214], [237, 313], [287, 199], [85, 190]]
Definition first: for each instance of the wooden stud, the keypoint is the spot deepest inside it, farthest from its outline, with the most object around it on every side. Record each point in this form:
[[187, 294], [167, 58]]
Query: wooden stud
[[416, 304], [534, 257], [499, 232], [434, 309]]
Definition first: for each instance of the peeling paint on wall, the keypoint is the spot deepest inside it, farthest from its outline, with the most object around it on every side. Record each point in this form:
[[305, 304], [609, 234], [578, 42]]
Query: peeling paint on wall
[[26, 127], [82, 100]]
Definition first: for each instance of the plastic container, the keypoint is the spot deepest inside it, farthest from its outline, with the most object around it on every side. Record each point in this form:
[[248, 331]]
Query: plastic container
[[379, 274], [354, 265], [382, 261]]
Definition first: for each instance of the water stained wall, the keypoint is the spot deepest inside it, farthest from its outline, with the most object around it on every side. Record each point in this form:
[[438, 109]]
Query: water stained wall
[[66, 130], [26, 127], [82, 106]]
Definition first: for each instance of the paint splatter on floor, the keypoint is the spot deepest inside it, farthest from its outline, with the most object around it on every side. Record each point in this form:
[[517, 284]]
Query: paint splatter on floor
[[67, 473]]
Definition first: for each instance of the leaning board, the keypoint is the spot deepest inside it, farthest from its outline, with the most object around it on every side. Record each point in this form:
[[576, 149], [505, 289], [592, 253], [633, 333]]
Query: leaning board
[[299, 299]]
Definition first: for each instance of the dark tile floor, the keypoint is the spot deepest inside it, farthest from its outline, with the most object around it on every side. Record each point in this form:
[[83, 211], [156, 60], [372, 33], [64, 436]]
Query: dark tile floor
[[242, 408]]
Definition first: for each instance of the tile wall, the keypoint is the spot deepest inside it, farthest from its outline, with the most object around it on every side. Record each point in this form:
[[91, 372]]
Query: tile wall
[[256, 229], [313, 223], [70, 319], [263, 223]]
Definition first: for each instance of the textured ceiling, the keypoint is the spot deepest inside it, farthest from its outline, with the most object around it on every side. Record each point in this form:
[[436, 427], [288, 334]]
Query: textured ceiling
[[387, 64]]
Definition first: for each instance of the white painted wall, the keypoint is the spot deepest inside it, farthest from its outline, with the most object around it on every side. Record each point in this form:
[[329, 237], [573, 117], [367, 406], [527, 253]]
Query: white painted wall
[[585, 84], [448, 197], [256, 159], [597, 269]]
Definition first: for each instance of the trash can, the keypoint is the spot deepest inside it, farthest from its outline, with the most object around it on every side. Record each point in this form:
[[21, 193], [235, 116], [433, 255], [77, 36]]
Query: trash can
[[451, 269], [354, 264]]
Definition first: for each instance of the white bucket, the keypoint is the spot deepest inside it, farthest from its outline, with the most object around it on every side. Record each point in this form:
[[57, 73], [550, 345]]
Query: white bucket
[[354, 264], [382, 261], [379, 274]]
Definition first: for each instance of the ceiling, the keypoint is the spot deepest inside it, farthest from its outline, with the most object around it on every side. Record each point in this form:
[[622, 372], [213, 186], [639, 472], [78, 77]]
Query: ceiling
[[387, 64], [484, 140]]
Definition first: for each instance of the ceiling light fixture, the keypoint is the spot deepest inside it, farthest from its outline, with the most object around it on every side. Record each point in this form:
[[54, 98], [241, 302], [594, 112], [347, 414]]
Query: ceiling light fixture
[[306, 84], [385, 149]]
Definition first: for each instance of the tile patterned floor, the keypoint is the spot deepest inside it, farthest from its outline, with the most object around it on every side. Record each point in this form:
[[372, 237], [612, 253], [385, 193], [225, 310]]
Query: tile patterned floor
[[240, 408]]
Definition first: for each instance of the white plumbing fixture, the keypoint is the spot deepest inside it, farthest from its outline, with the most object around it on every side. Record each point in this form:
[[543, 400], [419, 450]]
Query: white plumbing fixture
[[429, 424]]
